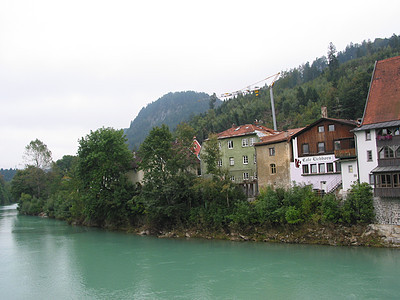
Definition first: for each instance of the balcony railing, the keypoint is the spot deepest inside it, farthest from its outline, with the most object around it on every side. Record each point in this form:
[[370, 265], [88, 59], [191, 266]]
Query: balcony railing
[[387, 140], [345, 153]]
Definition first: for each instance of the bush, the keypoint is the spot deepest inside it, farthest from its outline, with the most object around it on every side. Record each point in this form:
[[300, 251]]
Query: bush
[[330, 209], [359, 206]]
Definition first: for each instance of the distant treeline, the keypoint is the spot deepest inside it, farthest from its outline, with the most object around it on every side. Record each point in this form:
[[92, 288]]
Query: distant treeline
[[339, 81], [8, 174]]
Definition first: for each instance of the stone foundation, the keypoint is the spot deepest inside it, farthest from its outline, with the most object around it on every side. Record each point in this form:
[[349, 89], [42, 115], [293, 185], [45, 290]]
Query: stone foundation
[[387, 210]]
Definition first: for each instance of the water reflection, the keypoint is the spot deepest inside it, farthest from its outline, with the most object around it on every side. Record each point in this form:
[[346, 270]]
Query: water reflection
[[43, 258]]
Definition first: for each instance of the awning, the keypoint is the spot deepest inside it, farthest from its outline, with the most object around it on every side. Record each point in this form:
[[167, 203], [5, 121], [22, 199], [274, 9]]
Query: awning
[[386, 169]]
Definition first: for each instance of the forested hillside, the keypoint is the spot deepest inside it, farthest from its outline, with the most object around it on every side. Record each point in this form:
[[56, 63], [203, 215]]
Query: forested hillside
[[171, 109], [339, 81]]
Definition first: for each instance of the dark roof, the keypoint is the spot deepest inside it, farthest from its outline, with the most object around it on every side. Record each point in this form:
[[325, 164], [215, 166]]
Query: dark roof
[[386, 169], [378, 125], [246, 129], [340, 121], [278, 137], [383, 102]]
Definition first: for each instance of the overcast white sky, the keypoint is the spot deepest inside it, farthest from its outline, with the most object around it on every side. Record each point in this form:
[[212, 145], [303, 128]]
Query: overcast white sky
[[68, 67]]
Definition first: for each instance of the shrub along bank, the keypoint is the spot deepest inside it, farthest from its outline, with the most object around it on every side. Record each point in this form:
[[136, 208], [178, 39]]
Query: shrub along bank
[[92, 189]]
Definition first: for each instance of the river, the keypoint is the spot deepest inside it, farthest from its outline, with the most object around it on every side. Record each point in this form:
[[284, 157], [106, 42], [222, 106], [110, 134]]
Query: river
[[47, 259]]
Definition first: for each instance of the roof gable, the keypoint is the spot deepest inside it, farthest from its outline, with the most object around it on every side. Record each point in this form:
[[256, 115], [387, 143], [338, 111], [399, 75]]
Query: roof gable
[[282, 136], [331, 120], [383, 103], [246, 129]]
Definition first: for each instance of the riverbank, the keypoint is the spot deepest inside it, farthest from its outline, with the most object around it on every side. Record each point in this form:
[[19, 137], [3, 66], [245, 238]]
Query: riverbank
[[372, 235]]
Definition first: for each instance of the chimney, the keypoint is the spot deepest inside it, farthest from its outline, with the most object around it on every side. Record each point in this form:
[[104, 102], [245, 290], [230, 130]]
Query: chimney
[[324, 112]]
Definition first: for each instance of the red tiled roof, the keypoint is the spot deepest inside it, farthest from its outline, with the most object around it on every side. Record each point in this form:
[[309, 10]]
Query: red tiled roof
[[383, 103], [246, 130], [278, 137]]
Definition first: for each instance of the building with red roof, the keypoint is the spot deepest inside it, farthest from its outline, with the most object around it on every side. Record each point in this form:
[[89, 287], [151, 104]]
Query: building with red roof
[[238, 155], [378, 140]]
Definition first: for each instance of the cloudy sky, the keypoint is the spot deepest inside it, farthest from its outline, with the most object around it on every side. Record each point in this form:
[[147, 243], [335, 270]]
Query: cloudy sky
[[68, 67]]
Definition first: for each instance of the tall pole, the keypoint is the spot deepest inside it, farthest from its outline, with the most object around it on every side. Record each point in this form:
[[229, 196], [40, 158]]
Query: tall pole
[[272, 106]]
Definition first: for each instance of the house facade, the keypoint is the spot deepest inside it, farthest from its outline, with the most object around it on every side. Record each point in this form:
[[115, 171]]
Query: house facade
[[238, 156], [274, 155], [317, 150], [378, 140]]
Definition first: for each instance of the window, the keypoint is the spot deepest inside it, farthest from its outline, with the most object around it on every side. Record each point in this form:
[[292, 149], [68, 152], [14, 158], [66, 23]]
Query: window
[[219, 145], [255, 158], [384, 181], [272, 151], [231, 161], [386, 152], [329, 167], [396, 180], [331, 127], [398, 152], [336, 145], [245, 159], [321, 129], [371, 179], [305, 169], [255, 175], [313, 168], [321, 147], [230, 144], [245, 176], [245, 142], [369, 155], [220, 163], [321, 168], [233, 178], [273, 168], [338, 167], [306, 149], [350, 168], [252, 141], [367, 135]]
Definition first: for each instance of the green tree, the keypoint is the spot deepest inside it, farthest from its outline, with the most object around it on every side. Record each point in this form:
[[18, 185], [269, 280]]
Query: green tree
[[169, 171], [104, 159], [38, 155], [359, 206], [211, 155]]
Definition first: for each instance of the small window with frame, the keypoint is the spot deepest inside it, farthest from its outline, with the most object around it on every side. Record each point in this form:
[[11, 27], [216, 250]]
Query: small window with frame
[[321, 128], [305, 148], [271, 151], [321, 147], [245, 142], [230, 144], [273, 168], [367, 135], [331, 127]]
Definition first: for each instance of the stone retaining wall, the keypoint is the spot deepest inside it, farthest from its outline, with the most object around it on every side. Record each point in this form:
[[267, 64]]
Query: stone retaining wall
[[387, 210]]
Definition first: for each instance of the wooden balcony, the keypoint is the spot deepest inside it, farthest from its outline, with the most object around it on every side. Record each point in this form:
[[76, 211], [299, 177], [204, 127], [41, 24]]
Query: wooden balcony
[[345, 153], [387, 140]]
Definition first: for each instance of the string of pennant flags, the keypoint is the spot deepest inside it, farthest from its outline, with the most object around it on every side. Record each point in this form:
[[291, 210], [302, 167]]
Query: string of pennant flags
[[250, 88]]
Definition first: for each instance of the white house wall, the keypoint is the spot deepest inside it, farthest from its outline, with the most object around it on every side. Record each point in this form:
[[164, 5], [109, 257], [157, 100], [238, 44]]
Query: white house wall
[[364, 166], [349, 174]]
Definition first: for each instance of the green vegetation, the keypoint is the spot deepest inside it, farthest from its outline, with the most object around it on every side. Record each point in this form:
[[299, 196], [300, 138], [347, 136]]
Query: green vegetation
[[339, 81], [171, 109], [93, 189]]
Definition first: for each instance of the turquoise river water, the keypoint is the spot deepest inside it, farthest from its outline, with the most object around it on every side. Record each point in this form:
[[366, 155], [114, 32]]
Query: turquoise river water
[[48, 259]]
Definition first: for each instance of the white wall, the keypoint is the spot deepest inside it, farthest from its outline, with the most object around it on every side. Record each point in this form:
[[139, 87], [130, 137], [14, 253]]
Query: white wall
[[348, 178], [365, 166]]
